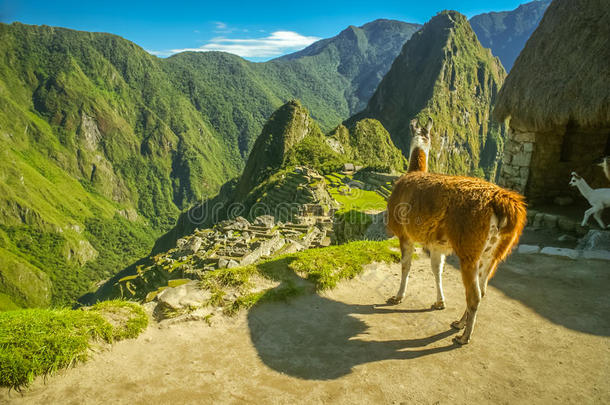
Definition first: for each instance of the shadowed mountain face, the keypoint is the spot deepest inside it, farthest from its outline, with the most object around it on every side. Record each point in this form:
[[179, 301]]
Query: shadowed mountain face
[[443, 72], [506, 32]]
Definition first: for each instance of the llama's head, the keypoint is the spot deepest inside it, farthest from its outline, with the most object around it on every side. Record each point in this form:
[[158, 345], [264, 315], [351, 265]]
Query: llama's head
[[575, 179], [603, 162], [421, 136]]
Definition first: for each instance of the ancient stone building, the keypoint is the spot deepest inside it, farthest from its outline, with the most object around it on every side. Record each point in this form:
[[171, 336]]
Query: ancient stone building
[[557, 101]]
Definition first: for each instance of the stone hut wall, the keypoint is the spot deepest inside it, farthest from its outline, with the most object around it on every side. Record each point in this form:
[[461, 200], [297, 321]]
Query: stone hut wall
[[539, 164], [518, 151]]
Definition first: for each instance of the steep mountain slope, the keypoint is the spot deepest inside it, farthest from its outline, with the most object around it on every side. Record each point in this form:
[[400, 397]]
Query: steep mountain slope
[[362, 56], [286, 128], [506, 32], [443, 72], [100, 153], [104, 144]]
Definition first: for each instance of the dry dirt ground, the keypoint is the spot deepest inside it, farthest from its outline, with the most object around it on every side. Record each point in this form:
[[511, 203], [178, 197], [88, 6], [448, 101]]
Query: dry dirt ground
[[542, 337]]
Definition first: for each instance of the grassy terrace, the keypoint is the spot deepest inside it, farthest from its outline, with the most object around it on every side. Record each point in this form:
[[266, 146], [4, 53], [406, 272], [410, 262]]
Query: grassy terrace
[[295, 274], [353, 199], [41, 341]]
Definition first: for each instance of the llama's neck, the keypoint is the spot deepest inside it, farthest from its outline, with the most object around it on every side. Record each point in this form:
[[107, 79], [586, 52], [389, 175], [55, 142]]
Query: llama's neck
[[607, 170], [584, 188], [418, 160]]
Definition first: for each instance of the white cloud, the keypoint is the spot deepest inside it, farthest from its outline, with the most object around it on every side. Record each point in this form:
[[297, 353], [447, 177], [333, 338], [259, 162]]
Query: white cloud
[[220, 25], [161, 54], [275, 44]]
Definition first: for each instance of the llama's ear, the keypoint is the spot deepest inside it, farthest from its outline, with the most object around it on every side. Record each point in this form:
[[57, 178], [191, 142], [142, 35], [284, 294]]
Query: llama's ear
[[414, 125], [429, 125]]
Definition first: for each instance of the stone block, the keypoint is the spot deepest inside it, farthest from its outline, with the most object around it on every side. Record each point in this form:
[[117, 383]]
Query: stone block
[[550, 221], [265, 220], [510, 170], [561, 252], [524, 172], [522, 159], [538, 218], [566, 224], [528, 147], [523, 136], [528, 249], [188, 295]]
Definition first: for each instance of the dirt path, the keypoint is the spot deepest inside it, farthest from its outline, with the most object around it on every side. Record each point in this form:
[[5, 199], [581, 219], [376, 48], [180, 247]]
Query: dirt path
[[542, 336]]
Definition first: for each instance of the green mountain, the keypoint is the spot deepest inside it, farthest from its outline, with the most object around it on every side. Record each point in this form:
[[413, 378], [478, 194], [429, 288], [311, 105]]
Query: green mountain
[[333, 77], [506, 32], [360, 55], [286, 128], [444, 72], [100, 154], [103, 144]]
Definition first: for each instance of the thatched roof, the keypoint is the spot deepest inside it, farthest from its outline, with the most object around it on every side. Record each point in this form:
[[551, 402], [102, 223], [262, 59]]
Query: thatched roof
[[563, 73]]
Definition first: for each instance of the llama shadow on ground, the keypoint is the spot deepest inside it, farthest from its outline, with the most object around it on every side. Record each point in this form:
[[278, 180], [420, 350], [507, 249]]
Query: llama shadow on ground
[[571, 293], [317, 338]]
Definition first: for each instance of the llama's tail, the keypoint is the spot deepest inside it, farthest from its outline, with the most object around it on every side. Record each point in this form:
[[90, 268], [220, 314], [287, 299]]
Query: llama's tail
[[510, 209]]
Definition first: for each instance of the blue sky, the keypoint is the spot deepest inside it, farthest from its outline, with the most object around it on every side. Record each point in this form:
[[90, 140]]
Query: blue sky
[[254, 30]]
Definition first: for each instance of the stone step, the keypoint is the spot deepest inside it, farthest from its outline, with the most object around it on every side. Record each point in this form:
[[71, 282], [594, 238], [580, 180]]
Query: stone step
[[296, 226], [258, 228]]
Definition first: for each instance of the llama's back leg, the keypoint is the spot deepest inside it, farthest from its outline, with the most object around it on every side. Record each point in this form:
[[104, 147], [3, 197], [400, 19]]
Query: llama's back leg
[[470, 279], [406, 249], [488, 261], [598, 217], [437, 260], [487, 269]]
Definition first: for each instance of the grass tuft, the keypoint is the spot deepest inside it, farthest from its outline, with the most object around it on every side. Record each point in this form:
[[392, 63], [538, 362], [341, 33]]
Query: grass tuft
[[37, 342]]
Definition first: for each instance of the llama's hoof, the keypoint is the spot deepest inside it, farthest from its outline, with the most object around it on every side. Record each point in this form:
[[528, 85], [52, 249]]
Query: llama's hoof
[[438, 305], [461, 340], [458, 325], [394, 300]]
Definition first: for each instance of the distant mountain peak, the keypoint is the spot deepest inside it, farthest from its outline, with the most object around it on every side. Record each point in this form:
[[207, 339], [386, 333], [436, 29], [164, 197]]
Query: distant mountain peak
[[442, 72], [506, 32]]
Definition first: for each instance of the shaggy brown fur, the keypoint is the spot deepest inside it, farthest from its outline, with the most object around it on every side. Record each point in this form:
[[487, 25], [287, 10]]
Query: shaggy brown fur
[[457, 210], [477, 220]]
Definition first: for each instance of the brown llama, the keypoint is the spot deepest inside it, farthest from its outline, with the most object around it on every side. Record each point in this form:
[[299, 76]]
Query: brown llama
[[477, 220]]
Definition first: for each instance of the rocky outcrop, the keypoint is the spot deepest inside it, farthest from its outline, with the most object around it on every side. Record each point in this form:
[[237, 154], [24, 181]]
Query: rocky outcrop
[[288, 126], [231, 243]]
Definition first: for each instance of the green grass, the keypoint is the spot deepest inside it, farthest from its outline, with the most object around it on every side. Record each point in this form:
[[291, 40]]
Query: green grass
[[354, 199], [37, 342]]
